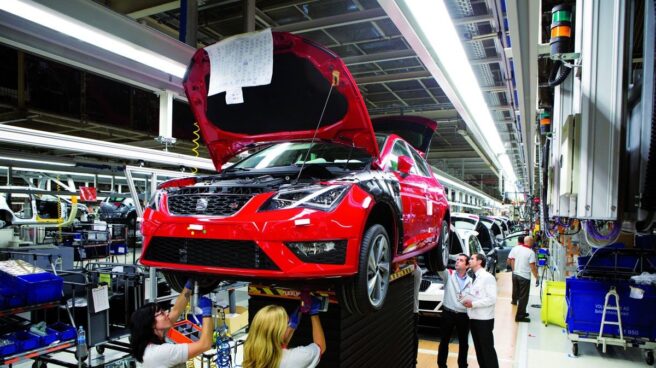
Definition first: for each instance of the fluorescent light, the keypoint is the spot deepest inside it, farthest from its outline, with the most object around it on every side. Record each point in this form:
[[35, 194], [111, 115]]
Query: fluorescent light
[[49, 162], [430, 19], [59, 22]]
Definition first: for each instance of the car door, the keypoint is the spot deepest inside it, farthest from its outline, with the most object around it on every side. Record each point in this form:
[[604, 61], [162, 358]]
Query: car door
[[508, 244], [436, 203], [413, 197]]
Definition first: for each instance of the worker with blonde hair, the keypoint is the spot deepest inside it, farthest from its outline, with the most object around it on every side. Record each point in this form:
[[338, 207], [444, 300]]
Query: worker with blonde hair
[[269, 334]]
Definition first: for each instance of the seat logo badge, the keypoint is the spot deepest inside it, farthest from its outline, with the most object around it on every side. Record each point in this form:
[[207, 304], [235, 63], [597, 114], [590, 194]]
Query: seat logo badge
[[233, 205], [182, 254], [201, 204]]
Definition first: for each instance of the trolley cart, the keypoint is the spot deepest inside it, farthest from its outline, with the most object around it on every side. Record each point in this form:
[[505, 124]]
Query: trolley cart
[[601, 312]]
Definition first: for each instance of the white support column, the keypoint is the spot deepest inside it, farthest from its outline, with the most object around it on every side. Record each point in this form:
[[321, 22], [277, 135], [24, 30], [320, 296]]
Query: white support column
[[166, 114]]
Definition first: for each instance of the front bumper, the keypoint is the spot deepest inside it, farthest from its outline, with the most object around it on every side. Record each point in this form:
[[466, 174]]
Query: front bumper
[[431, 299], [251, 244]]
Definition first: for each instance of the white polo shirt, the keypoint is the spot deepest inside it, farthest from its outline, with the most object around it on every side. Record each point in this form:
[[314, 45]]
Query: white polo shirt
[[523, 257]]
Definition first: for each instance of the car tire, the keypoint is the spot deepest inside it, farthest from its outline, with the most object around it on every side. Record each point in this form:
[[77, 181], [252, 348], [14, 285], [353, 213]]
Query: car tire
[[177, 281], [369, 287], [438, 258]]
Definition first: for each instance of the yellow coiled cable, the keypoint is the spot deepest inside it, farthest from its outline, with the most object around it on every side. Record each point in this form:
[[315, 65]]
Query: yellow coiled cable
[[196, 145]]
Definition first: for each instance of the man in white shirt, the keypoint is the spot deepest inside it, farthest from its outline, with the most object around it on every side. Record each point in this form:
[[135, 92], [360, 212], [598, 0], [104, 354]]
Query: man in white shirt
[[480, 307], [454, 314], [522, 262]]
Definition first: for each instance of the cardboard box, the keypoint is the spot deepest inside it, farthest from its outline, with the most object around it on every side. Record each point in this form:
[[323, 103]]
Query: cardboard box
[[236, 321]]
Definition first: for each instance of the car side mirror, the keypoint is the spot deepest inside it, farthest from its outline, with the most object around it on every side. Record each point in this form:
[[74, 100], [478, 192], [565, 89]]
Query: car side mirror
[[405, 164]]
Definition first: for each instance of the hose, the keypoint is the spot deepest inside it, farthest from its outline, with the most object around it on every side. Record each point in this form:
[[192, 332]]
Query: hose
[[196, 146], [554, 78]]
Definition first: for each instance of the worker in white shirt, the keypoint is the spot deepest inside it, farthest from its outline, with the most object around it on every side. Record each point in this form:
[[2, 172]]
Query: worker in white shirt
[[480, 307], [522, 262], [454, 314]]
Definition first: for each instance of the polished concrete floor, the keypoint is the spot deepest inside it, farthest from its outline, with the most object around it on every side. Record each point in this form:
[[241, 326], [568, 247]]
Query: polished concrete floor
[[521, 345]]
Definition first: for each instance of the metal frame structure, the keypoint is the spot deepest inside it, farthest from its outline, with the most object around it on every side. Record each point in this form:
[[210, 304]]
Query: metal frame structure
[[392, 78]]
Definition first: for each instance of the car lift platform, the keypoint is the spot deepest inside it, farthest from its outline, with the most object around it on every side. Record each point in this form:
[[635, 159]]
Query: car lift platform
[[381, 339]]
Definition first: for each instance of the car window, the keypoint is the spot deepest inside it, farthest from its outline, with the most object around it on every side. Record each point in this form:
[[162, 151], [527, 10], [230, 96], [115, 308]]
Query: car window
[[20, 204], [473, 245], [420, 164], [293, 153], [463, 223], [399, 149], [380, 139], [512, 241]]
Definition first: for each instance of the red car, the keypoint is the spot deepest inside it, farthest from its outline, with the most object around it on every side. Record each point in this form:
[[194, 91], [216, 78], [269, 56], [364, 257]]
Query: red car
[[324, 200]]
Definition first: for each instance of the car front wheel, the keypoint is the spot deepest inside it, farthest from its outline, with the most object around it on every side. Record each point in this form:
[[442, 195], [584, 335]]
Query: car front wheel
[[367, 291]]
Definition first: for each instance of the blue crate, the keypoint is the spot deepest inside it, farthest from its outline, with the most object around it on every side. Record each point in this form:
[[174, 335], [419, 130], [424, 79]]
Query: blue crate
[[50, 337], [118, 248], [24, 340], [64, 331], [7, 347], [37, 288], [10, 299], [585, 299], [41, 287]]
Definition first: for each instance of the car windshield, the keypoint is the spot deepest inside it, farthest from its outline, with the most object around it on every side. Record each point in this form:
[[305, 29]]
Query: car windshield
[[294, 153], [463, 223], [513, 240]]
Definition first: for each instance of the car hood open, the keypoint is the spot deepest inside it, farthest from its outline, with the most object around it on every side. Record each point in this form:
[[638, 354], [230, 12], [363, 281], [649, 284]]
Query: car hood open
[[289, 108], [416, 130]]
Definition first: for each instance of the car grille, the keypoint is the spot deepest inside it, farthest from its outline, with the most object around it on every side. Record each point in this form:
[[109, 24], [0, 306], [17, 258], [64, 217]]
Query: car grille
[[425, 284], [209, 252], [424, 305], [210, 201]]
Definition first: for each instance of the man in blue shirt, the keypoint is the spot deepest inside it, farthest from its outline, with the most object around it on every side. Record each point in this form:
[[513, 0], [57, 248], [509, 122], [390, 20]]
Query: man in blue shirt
[[454, 314]]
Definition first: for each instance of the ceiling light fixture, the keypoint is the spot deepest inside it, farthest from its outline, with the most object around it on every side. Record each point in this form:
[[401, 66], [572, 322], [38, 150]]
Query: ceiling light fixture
[[34, 161], [442, 52], [59, 22]]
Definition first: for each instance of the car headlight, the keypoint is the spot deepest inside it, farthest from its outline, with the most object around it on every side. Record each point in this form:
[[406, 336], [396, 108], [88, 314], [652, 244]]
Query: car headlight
[[317, 196], [330, 251]]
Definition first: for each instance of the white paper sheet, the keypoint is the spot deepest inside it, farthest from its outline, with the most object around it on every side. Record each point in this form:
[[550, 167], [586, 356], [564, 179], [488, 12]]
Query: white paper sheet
[[100, 298], [241, 61]]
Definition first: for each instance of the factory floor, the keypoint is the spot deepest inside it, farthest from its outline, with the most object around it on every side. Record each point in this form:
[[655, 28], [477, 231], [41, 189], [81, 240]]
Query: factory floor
[[520, 345]]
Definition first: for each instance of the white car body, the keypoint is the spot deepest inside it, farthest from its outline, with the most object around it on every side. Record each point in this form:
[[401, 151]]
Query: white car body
[[29, 213], [431, 292]]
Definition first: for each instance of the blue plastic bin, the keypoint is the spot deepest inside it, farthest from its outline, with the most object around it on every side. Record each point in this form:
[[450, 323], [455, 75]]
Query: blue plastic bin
[[24, 340], [41, 287], [11, 299], [585, 299], [37, 288], [64, 331], [7, 347], [50, 337], [118, 249]]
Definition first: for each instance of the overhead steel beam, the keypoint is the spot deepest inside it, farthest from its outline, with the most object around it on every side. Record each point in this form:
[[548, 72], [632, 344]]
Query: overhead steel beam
[[378, 57], [146, 12], [37, 138], [446, 154], [524, 25], [474, 19], [396, 77], [489, 60], [37, 39], [494, 89], [334, 21]]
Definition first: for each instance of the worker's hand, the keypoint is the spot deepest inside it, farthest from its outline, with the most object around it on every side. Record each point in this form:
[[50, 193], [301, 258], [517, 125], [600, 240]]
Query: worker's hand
[[204, 306], [315, 306], [467, 303], [295, 318], [189, 285], [537, 283]]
